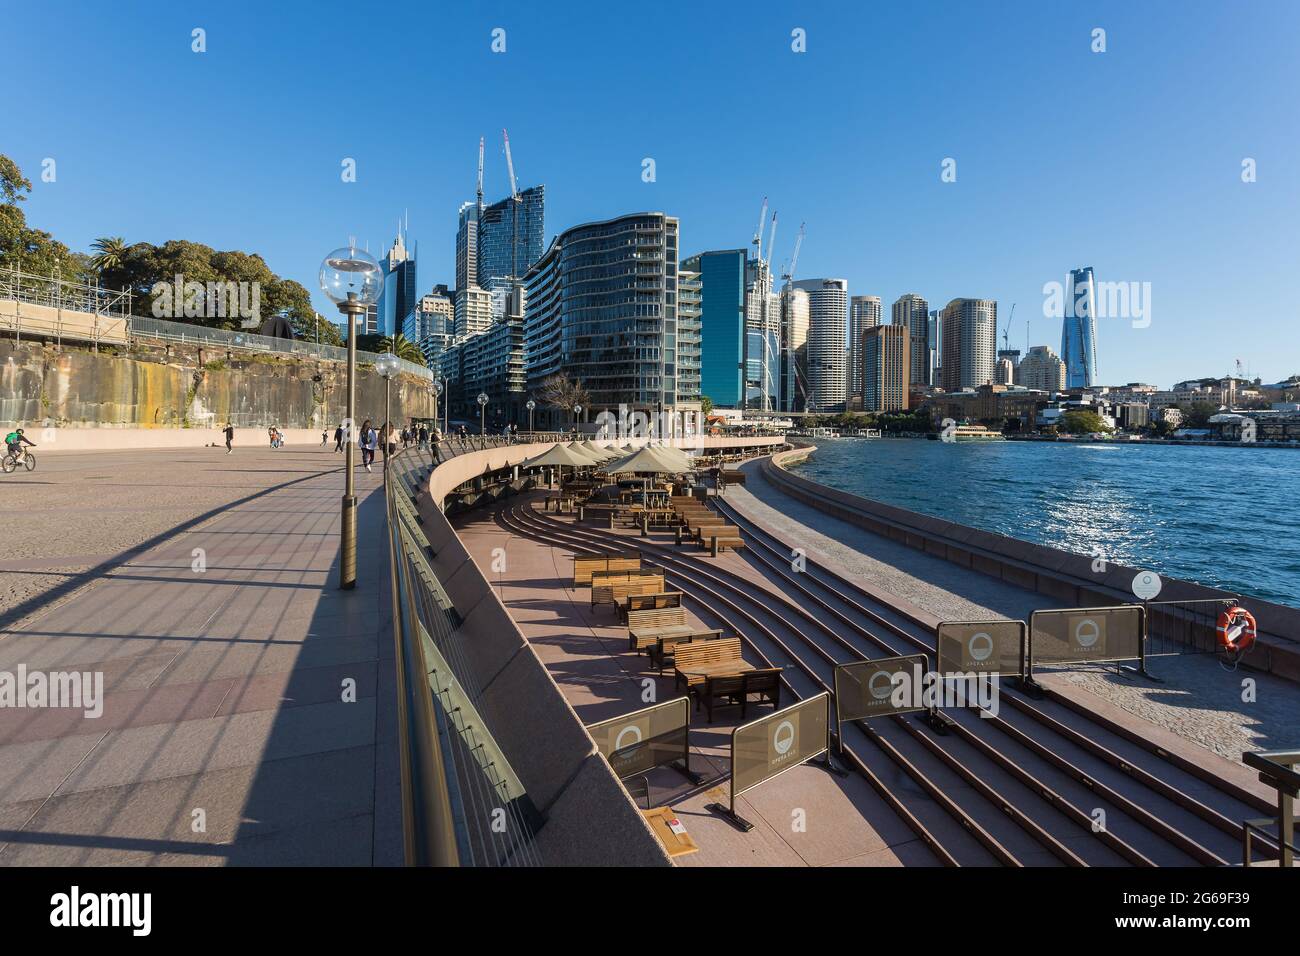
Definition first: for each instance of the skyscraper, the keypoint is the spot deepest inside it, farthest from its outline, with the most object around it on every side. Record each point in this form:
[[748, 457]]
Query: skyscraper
[[794, 349], [431, 325], [828, 314], [913, 313], [969, 343], [762, 337], [722, 324], [885, 368], [602, 307], [864, 313], [935, 359], [1079, 330], [507, 248], [398, 300]]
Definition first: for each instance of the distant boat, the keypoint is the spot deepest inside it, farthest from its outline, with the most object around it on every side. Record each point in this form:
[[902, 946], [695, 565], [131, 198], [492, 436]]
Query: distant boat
[[976, 433]]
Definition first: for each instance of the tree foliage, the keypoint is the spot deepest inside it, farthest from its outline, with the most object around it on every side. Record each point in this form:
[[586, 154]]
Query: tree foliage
[[1082, 422], [560, 391], [139, 267], [403, 348]]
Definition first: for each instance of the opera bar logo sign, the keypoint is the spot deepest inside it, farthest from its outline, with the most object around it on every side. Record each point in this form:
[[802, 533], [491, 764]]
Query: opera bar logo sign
[[783, 742], [985, 647], [1087, 635], [871, 688], [628, 748]]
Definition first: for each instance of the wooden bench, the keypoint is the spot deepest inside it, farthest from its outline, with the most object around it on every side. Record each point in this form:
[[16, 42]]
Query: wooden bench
[[724, 650], [585, 565], [648, 602], [662, 651], [714, 540], [646, 627], [616, 592], [738, 688]]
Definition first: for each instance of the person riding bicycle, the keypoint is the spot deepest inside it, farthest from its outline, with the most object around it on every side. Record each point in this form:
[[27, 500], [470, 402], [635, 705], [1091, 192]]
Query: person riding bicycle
[[15, 441]]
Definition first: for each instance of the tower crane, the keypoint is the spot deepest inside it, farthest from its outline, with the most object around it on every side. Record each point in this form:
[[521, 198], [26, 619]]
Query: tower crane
[[480, 174], [514, 217], [794, 259], [758, 234]]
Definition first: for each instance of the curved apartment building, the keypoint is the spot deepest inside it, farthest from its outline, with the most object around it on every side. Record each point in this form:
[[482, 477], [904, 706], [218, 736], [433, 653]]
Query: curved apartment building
[[603, 308]]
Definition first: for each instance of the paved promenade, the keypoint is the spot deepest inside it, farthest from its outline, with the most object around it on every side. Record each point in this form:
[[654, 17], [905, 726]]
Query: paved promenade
[[202, 587]]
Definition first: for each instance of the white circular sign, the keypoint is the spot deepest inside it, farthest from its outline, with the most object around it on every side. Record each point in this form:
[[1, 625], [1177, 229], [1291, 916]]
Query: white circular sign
[[1086, 632], [980, 646], [1147, 585], [631, 730], [881, 692], [783, 737]]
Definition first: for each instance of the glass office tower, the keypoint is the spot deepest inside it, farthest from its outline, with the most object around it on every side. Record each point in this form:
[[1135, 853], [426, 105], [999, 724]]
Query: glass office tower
[[1079, 330], [722, 324]]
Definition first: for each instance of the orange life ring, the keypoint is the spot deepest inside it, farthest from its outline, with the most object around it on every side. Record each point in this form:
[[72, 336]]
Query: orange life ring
[[1230, 618]]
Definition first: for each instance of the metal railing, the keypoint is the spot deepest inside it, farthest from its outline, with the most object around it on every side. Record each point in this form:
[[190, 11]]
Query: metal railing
[[462, 803]]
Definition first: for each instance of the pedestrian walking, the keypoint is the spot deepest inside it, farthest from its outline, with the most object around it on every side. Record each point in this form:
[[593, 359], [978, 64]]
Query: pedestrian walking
[[338, 438], [324, 437], [369, 442], [229, 432]]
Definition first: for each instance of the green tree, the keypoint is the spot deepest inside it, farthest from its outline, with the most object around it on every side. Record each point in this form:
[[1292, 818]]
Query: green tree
[[32, 250], [402, 347], [1081, 422], [110, 253], [706, 405], [1198, 415]]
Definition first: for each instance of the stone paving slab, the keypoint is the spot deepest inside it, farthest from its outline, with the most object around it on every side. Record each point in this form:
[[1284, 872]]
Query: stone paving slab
[[223, 688]]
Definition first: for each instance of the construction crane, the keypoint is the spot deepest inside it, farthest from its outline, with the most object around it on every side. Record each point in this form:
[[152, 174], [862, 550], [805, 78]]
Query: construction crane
[[480, 174], [514, 217], [794, 259], [1006, 333], [758, 234], [771, 239]]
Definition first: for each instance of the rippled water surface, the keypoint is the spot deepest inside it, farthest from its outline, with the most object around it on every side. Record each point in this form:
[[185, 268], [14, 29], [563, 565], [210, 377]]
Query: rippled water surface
[[1227, 517]]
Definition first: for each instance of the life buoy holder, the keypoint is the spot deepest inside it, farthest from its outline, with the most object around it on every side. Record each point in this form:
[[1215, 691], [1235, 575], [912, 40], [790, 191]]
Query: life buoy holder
[[1236, 630]]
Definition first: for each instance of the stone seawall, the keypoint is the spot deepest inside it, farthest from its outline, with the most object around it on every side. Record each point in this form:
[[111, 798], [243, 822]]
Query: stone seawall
[[1061, 575], [162, 386]]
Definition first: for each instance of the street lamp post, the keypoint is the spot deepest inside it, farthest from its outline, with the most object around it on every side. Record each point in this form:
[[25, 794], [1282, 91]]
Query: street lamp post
[[353, 280], [530, 405], [386, 365], [577, 410], [482, 413]]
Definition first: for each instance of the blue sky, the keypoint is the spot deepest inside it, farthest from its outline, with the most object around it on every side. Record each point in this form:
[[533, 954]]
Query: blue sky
[[1129, 160]]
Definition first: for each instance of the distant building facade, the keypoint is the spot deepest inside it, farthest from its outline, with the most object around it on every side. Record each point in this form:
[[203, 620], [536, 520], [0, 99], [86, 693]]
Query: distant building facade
[[969, 343], [1079, 330], [886, 368], [828, 307]]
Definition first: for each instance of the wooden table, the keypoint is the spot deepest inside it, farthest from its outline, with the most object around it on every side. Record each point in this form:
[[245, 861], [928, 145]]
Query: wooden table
[[677, 844], [720, 669]]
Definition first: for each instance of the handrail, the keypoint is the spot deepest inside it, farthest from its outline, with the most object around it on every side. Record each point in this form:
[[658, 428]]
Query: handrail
[[429, 832]]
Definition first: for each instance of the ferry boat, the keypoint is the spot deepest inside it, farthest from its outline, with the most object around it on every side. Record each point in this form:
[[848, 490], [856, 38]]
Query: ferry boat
[[976, 433]]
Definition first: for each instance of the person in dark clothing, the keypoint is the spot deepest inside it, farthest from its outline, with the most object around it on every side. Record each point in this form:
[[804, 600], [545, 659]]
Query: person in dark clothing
[[338, 438], [229, 432]]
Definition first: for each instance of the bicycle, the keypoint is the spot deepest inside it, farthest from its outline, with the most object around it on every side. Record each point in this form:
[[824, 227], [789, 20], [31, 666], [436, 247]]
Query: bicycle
[[10, 462]]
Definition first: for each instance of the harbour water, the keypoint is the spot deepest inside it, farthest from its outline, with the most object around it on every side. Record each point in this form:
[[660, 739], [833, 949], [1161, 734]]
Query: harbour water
[[1225, 517]]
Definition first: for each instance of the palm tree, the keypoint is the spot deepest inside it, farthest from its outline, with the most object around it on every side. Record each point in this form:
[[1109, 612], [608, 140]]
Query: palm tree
[[110, 253], [403, 348]]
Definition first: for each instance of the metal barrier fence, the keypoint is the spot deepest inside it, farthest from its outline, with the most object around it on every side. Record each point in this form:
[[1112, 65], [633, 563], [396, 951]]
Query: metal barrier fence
[[462, 803], [1184, 627]]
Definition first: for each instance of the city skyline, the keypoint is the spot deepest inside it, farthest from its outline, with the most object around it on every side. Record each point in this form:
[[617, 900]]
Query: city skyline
[[1012, 180]]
